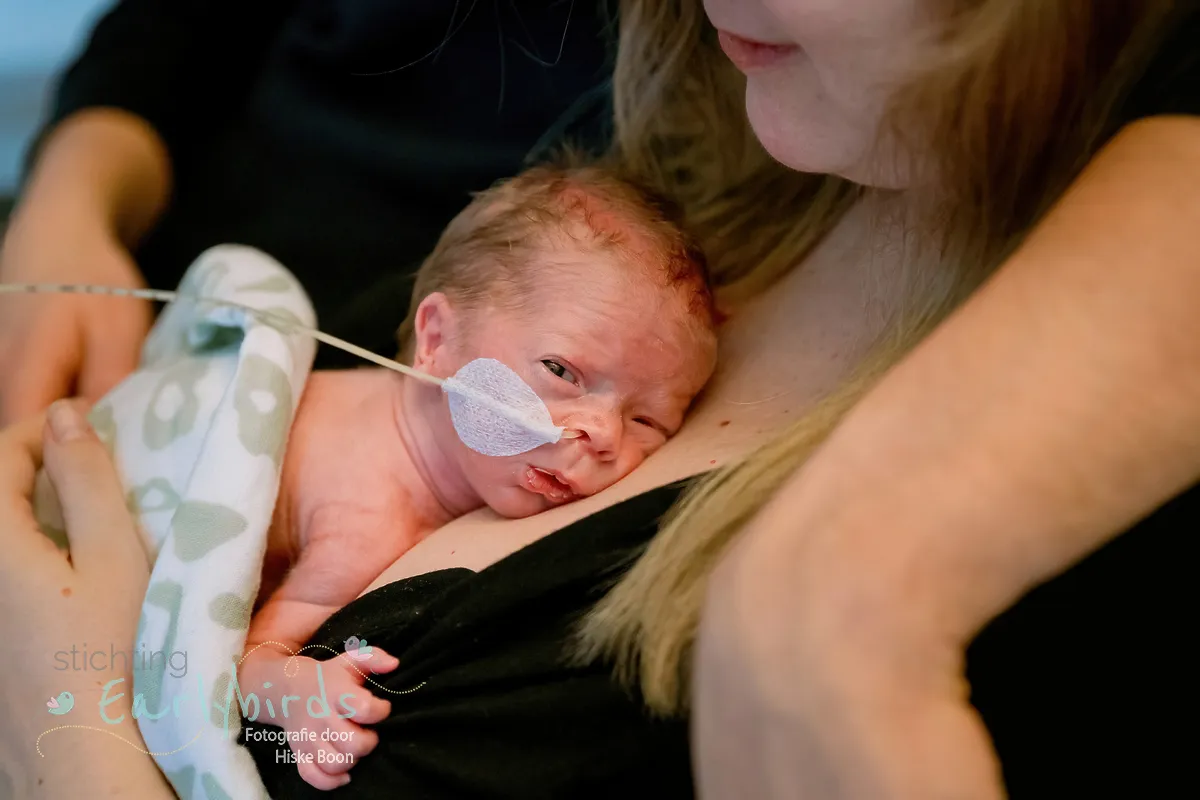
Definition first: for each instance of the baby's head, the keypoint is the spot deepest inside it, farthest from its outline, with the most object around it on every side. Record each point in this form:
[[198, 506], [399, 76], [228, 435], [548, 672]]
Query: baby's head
[[588, 288]]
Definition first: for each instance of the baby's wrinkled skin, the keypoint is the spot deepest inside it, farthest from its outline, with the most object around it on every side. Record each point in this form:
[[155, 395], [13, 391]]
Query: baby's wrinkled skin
[[374, 464]]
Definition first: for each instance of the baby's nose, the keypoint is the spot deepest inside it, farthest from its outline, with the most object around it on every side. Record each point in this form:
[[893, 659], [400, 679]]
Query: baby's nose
[[600, 433]]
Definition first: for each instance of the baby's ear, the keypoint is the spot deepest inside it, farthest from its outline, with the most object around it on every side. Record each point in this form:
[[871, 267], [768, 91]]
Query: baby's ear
[[434, 327]]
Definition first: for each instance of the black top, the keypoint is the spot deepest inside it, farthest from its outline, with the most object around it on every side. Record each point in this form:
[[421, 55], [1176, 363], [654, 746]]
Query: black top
[[501, 714], [1084, 684], [283, 135]]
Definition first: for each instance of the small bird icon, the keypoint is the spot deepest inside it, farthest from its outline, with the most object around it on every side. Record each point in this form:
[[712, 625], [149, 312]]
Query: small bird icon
[[358, 649], [62, 704]]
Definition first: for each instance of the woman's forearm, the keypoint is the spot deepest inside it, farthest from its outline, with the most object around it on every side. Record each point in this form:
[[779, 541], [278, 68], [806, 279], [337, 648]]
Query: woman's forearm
[[81, 762], [1056, 408], [104, 166]]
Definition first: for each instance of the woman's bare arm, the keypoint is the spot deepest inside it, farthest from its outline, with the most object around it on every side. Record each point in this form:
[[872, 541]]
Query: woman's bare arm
[[1056, 408], [101, 180], [90, 763], [103, 164]]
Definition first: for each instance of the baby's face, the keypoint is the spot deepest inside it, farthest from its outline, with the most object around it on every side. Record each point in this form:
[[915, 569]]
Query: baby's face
[[614, 355]]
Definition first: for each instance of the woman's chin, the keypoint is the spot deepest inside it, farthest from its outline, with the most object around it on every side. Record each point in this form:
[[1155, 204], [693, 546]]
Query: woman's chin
[[804, 136]]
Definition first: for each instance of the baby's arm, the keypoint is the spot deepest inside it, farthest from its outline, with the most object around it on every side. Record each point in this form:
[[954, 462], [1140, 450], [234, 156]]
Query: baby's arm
[[327, 576]]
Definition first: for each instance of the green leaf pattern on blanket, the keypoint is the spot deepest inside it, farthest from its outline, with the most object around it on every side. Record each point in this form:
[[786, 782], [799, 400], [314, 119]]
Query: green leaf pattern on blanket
[[184, 781], [200, 527], [225, 697], [274, 283], [204, 279], [283, 317], [263, 399], [175, 404], [212, 789], [102, 421], [167, 595], [230, 611], [156, 494]]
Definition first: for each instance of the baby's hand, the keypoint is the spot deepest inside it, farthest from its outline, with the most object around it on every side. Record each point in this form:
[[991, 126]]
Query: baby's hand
[[327, 747]]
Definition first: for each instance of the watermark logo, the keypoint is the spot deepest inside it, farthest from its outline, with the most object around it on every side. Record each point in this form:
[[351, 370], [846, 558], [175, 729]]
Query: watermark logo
[[358, 649], [62, 704], [174, 663], [318, 705]]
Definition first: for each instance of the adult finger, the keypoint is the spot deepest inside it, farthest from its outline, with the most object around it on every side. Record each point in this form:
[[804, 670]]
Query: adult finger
[[20, 459], [34, 380], [100, 532], [111, 353]]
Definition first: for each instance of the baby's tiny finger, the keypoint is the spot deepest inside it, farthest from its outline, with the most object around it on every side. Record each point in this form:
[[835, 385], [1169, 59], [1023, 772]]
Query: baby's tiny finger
[[367, 708], [331, 761], [370, 709], [382, 662], [358, 743], [317, 778]]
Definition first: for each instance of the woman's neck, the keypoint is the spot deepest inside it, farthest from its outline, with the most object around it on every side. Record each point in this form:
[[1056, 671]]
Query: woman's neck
[[793, 343]]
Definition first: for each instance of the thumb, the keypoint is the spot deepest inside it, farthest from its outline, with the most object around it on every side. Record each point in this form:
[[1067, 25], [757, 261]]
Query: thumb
[[100, 531]]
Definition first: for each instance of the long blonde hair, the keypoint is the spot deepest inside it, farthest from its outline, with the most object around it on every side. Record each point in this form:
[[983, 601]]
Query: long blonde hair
[[1014, 98]]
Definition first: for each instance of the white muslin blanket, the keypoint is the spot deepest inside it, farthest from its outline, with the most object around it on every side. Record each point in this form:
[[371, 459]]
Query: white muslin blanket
[[198, 435]]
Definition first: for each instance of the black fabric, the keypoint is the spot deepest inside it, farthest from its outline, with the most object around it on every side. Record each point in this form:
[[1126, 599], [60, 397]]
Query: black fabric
[[501, 714], [1087, 685], [1171, 84], [283, 136]]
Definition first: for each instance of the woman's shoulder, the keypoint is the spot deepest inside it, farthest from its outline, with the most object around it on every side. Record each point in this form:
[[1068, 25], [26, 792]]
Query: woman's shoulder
[[486, 700]]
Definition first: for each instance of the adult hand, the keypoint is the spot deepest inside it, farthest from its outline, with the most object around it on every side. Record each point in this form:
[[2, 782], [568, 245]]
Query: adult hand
[[52, 346], [50, 604]]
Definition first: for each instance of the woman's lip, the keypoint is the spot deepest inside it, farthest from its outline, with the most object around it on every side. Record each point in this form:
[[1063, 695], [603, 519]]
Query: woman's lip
[[749, 55]]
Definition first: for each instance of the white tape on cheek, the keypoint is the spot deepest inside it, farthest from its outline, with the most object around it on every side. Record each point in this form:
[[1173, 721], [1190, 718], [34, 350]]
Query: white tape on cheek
[[495, 412]]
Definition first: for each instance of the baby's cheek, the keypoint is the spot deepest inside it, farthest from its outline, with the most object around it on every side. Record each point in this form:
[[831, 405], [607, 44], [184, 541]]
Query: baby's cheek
[[629, 461]]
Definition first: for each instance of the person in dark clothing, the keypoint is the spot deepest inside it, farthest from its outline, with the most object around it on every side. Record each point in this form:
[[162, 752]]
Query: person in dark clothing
[[340, 137], [795, 692]]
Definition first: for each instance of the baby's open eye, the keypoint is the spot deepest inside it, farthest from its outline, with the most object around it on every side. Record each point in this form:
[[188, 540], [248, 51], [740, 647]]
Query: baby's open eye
[[559, 370]]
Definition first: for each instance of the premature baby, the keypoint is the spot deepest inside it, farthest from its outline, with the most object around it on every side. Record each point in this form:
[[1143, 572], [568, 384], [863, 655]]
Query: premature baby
[[581, 284], [574, 278]]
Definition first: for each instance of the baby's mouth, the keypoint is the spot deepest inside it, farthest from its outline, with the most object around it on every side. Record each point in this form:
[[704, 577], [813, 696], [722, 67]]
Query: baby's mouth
[[546, 483]]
